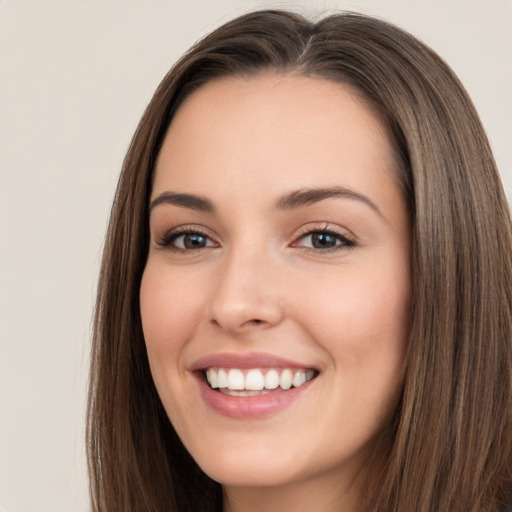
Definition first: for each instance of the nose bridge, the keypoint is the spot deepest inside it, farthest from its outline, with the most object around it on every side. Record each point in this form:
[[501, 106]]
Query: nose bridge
[[246, 294]]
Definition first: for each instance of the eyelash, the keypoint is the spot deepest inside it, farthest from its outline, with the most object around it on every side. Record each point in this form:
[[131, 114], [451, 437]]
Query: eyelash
[[167, 240], [346, 242]]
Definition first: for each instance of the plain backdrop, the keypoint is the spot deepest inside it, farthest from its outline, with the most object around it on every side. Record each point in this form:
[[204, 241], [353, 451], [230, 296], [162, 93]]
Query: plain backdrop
[[75, 77]]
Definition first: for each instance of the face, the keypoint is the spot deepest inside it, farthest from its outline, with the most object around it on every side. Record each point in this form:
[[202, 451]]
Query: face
[[279, 271]]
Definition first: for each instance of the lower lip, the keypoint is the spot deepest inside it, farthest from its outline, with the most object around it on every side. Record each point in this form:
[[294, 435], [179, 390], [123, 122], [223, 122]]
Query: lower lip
[[246, 407]]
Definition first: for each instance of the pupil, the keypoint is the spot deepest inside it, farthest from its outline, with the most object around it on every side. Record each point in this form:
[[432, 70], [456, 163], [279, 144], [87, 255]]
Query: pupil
[[194, 241], [323, 240]]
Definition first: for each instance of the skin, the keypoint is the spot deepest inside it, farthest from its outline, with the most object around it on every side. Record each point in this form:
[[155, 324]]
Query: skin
[[260, 285]]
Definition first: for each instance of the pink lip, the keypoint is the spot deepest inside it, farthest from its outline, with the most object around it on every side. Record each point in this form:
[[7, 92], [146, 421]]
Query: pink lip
[[249, 407], [244, 361], [245, 407]]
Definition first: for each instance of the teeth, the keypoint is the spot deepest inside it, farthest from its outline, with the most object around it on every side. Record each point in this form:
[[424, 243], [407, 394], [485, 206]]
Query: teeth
[[213, 380], [286, 379], [298, 379], [255, 381], [271, 379], [235, 379], [222, 378], [232, 392]]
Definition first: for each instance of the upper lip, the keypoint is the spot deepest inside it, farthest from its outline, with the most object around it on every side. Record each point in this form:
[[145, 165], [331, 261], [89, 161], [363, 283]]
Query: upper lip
[[245, 361]]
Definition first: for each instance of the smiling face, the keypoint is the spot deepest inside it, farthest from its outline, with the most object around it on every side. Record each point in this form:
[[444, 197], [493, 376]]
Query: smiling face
[[279, 269]]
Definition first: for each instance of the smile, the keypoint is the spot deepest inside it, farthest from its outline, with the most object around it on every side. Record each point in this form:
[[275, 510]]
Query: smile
[[256, 381], [252, 385]]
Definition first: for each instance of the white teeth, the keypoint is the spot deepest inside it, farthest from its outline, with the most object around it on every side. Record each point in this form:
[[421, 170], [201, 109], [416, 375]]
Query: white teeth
[[271, 379], [232, 392], [211, 376], [286, 379], [256, 381], [299, 378], [222, 378], [236, 379]]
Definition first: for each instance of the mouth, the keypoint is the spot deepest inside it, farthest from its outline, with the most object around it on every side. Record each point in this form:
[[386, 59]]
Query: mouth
[[248, 382], [246, 386]]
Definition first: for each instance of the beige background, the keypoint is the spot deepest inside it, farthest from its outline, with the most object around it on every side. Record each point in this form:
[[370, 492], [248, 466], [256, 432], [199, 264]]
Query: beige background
[[75, 77]]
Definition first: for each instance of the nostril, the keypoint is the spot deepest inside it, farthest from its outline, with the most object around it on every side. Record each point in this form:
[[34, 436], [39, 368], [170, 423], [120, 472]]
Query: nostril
[[254, 322]]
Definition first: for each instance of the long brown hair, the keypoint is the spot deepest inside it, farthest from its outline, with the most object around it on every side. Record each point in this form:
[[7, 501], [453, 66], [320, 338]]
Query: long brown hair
[[447, 447]]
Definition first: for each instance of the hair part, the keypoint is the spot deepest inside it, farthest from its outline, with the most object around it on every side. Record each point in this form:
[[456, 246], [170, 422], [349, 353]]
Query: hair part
[[448, 445]]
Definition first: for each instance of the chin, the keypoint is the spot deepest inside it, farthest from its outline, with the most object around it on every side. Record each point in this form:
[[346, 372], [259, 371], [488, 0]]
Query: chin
[[248, 468], [246, 475]]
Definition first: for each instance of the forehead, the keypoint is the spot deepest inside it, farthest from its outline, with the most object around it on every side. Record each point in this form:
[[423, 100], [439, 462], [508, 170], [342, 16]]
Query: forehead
[[277, 97], [272, 133]]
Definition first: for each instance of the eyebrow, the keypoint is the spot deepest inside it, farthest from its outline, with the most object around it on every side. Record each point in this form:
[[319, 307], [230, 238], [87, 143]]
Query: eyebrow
[[191, 201], [306, 197], [290, 201]]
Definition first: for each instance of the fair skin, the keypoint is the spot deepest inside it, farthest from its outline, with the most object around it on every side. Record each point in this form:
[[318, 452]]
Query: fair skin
[[247, 272]]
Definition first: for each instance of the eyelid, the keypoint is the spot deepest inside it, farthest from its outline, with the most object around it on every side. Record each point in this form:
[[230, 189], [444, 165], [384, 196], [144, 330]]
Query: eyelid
[[347, 237], [165, 240]]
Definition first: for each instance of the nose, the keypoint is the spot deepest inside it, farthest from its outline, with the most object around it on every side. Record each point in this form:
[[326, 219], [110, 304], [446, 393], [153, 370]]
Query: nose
[[246, 294]]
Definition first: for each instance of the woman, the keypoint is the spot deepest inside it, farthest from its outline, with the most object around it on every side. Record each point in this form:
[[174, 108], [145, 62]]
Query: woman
[[305, 302]]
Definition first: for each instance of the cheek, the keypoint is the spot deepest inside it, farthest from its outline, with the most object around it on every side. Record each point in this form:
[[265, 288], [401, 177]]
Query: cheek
[[169, 311], [361, 320], [357, 302]]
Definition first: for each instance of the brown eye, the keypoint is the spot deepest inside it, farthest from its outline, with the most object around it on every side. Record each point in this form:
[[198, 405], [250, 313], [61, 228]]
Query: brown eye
[[192, 241]]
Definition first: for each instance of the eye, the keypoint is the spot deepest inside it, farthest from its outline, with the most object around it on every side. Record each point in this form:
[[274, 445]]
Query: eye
[[324, 240], [186, 240]]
